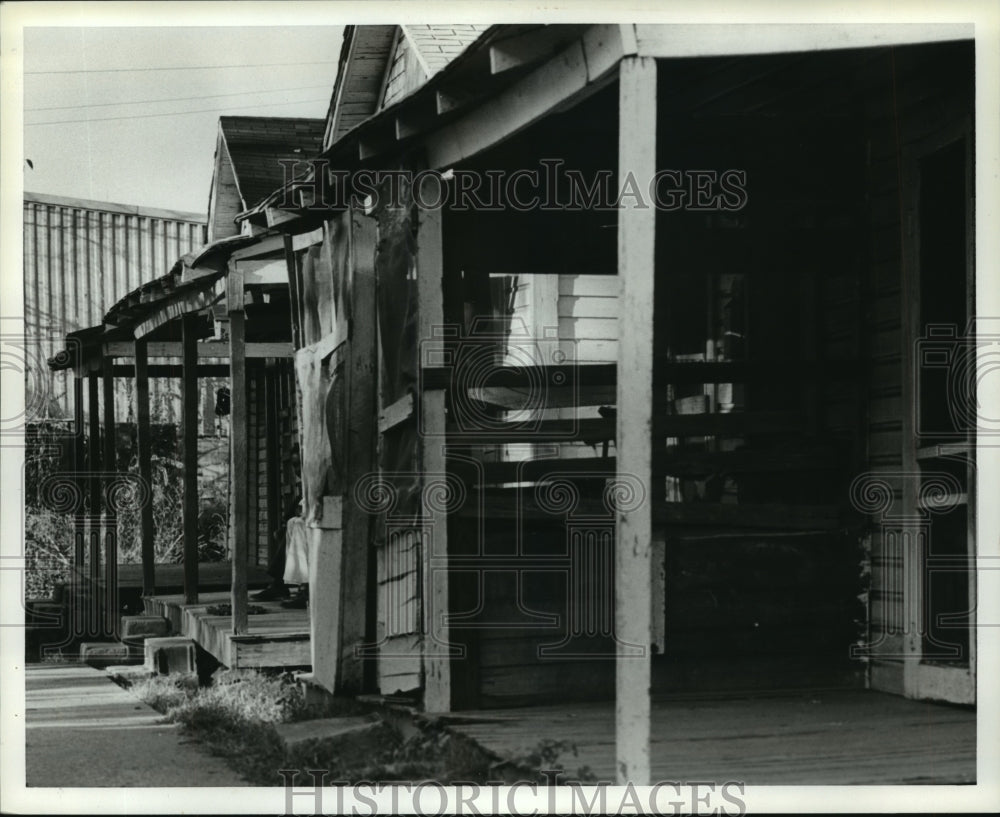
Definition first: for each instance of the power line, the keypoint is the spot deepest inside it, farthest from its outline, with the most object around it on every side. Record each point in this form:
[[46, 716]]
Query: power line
[[171, 113], [176, 98], [183, 67]]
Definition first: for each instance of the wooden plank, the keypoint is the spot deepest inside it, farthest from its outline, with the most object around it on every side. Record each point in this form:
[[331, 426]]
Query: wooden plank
[[718, 39], [438, 692], [634, 525], [519, 51], [94, 464], [361, 372], [294, 291], [260, 272], [110, 512], [189, 456], [239, 456], [554, 83], [392, 415], [213, 349]]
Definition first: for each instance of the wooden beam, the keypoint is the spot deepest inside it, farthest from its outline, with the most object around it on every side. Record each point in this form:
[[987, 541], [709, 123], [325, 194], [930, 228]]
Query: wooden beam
[[291, 265], [239, 473], [266, 246], [261, 271], [144, 452], [189, 455], [188, 303], [438, 693], [452, 100], [94, 464], [559, 82], [392, 415], [361, 374], [204, 349], [527, 48], [80, 531], [634, 524], [174, 370], [729, 39], [110, 515]]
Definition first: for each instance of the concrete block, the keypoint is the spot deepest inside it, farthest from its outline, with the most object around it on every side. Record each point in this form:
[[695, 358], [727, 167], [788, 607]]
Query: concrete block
[[351, 736], [167, 656], [136, 629], [106, 654]]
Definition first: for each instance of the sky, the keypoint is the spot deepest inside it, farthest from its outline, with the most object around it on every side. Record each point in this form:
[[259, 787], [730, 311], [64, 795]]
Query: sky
[[130, 115]]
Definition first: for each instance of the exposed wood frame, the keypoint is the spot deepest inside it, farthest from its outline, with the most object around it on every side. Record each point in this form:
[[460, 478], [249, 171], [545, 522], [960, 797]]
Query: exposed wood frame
[[578, 70], [392, 415], [144, 452], [79, 466], [361, 375], [110, 514], [204, 349], [94, 464], [515, 52], [438, 693], [732, 39], [634, 525], [238, 447], [264, 271], [189, 445], [181, 305]]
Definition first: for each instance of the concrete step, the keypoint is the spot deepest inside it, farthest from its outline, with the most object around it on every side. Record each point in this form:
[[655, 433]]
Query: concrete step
[[101, 654], [136, 629], [174, 654]]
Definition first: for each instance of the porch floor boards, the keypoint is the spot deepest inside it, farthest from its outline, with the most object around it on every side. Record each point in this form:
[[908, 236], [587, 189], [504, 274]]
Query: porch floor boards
[[277, 638], [835, 737]]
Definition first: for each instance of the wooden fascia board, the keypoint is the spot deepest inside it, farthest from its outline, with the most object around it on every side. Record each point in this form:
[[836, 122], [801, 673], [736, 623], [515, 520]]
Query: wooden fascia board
[[664, 41], [579, 68]]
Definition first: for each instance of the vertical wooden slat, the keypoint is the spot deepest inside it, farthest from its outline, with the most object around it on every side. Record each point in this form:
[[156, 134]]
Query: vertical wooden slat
[[239, 471], [293, 291], [361, 373], [272, 453], [144, 446], [430, 305], [94, 466], [636, 243], [110, 511], [79, 467], [189, 444]]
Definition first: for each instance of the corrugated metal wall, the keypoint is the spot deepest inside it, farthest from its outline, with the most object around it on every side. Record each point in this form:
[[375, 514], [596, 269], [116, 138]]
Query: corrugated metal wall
[[80, 257]]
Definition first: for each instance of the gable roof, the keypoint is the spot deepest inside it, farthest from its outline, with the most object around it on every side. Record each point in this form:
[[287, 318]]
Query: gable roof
[[366, 59], [437, 45], [257, 144]]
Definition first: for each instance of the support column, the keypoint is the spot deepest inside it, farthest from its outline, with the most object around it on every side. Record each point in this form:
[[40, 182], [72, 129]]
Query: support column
[[189, 445], [94, 626], [238, 472], [79, 626], [361, 374], [634, 529], [144, 446], [111, 610], [430, 306]]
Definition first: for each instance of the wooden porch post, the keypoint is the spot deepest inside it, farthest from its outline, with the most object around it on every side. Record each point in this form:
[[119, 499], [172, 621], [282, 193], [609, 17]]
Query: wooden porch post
[[94, 516], [79, 533], [189, 443], [144, 446], [238, 473], [361, 374], [430, 306], [110, 511], [634, 529]]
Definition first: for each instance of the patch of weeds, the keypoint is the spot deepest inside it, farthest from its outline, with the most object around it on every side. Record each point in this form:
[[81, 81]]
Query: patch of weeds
[[164, 692], [226, 609]]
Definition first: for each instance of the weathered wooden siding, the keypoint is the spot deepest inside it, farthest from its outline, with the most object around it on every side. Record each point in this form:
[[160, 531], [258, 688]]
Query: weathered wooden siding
[[405, 73], [80, 257], [910, 94]]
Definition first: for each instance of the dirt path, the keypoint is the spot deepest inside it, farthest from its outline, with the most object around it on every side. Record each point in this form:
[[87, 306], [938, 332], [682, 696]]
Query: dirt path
[[83, 730]]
